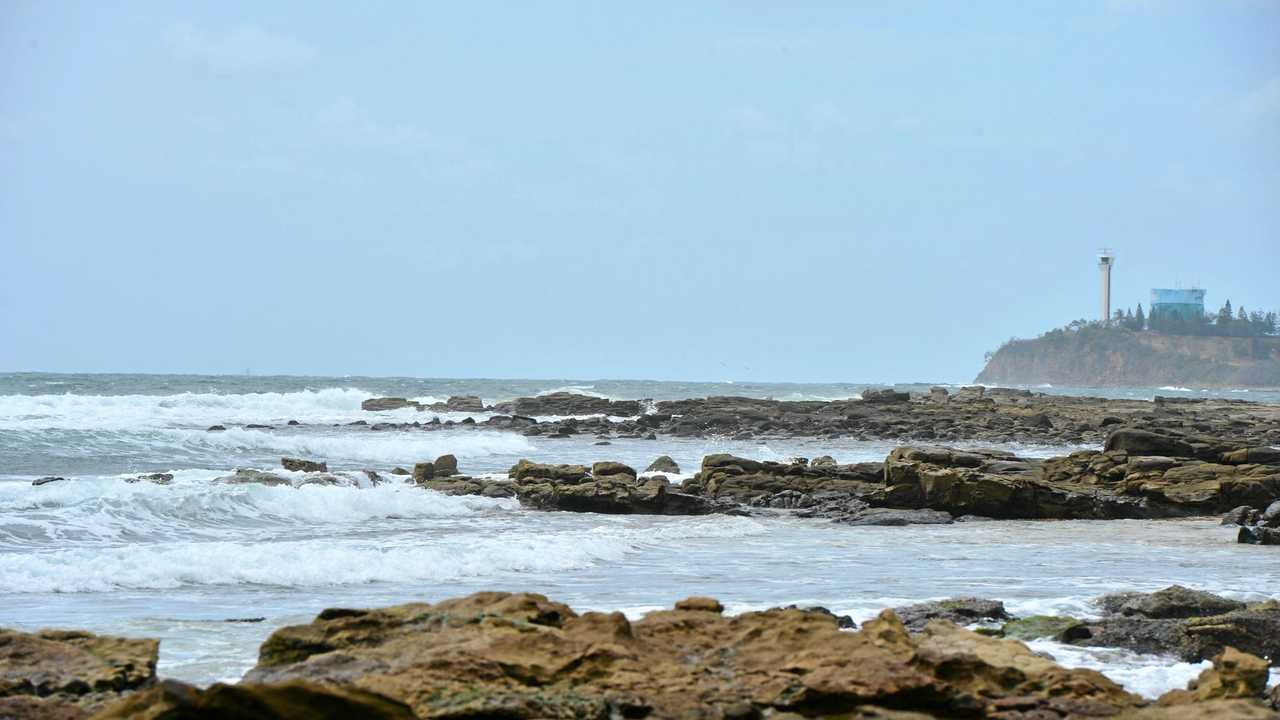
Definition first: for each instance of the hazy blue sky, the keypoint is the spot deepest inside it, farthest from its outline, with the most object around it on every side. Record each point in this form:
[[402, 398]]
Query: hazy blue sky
[[765, 191]]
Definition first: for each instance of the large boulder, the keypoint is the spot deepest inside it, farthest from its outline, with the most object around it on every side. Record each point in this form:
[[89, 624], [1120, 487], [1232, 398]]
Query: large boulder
[[445, 465], [69, 673], [1234, 675], [464, 403], [524, 656], [1174, 601]]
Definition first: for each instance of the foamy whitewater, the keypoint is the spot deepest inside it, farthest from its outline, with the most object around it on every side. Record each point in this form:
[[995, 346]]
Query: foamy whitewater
[[211, 569]]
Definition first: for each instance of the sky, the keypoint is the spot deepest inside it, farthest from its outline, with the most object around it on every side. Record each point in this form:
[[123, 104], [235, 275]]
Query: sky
[[861, 192]]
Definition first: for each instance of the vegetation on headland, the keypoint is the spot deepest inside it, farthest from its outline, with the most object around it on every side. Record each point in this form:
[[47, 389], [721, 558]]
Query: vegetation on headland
[[1224, 323], [1230, 348]]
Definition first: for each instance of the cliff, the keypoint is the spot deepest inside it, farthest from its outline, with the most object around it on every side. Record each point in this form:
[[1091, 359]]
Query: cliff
[[1114, 357]]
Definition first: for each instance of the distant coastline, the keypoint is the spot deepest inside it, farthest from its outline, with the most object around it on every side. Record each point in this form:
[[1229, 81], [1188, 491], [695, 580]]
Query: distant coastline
[[1109, 356]]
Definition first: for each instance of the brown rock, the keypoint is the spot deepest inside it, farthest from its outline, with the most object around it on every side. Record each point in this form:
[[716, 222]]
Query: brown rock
[[70, 669]]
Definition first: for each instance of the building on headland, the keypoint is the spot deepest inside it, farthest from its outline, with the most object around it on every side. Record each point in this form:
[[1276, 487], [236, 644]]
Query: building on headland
[[1187, 304]]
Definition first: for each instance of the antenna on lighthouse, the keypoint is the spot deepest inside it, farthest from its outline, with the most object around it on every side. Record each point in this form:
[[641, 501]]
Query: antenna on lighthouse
[[1106, 259]]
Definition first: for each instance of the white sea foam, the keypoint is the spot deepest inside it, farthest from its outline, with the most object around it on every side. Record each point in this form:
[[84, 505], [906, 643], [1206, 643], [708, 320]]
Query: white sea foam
[[388, 447], [111, 510], [588, 390], [113, 412], [1174, 388], [325, 561], [1147, 675]]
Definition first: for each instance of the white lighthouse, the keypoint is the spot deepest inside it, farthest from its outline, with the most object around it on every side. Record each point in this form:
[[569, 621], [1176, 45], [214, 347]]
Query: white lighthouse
[[1105, 260]]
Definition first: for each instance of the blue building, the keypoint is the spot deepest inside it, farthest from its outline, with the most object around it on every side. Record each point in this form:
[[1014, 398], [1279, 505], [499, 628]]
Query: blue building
[[1185, 304]]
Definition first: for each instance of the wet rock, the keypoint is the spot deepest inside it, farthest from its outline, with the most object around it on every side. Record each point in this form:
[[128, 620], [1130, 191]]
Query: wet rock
[[464, 403], [700, 604], [1174, 601], [423, 472], [1034, 627], [1234, 675], [664, 464], [158, 478], [445, 465], [524, 656], [609, 467], [564, 403], [249, 476], [892, 517], [1271, 516], [47, 480], [612, 494], [962, 611], [66, 673], [1258, 536], [556, 473], [743, 480], [216, 428], [387, 403], [884, 396], [286, 701], [1243, 515], [402, 471], [1254, 628], [374, 478], [300, 465], [1134, 441]]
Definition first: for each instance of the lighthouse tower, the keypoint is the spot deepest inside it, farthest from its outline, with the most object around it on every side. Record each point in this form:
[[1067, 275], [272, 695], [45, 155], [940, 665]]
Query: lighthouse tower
[[1105, 260]]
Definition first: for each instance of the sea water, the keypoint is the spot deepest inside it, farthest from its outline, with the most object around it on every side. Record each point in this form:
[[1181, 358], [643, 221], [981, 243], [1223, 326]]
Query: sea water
[[211, 569]]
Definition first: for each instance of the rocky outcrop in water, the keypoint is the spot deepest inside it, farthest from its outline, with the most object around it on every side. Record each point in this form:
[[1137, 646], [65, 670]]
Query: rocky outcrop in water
[[978, 414], [1257, 527], [565, 403], [70, 673], [300, 465], [1187, 624]]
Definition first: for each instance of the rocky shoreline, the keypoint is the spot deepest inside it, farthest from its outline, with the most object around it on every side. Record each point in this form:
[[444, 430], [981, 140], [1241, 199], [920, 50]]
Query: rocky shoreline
[[972, 414], [521, 655]]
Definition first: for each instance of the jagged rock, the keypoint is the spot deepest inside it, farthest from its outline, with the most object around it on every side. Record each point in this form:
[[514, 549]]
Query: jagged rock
[[612, 494], [1234, 675], [743, 479], [523, 656], [374, 478], [1188, 626], [885, 395], [287, 701], [445, 465], [47, 480], [1258, 536], [888, 516], [564, 403], [963, 611], [387, 403], [1271, 516], [300, 465], [66, 673], [664, 464], [1243, 515], [158, 478], [249, 476]]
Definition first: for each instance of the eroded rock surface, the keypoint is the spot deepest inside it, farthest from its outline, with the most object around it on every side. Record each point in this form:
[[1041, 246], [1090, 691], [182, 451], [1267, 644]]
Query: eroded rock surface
[[69, 673], [524, 656]]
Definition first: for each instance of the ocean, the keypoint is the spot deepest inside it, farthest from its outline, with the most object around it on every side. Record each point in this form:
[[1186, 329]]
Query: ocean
[[212, 569]]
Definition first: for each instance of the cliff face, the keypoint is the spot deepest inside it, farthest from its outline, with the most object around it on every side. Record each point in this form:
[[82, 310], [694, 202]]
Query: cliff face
[[1110, 357]]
